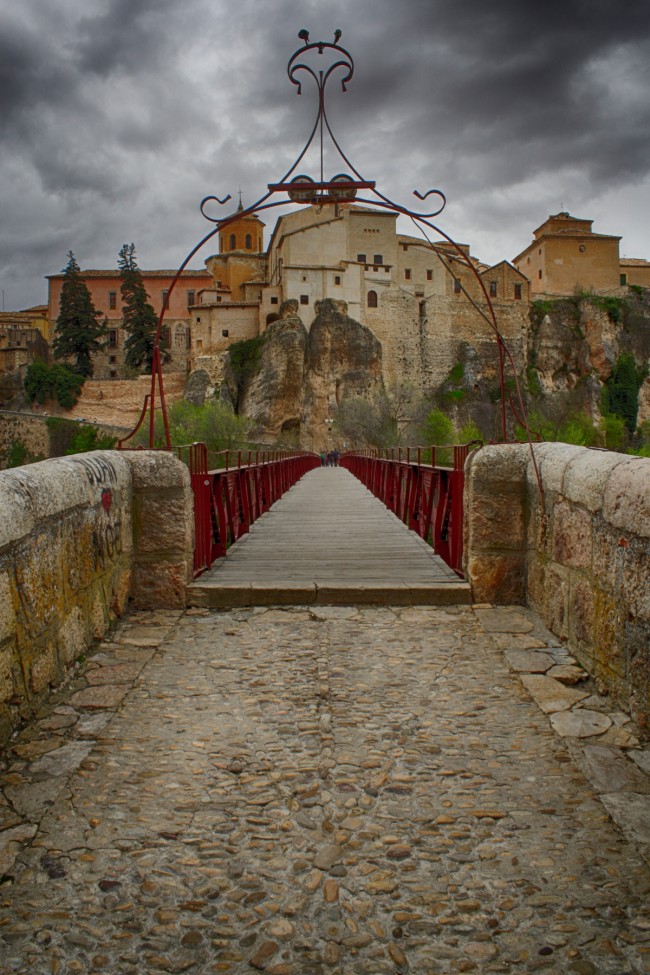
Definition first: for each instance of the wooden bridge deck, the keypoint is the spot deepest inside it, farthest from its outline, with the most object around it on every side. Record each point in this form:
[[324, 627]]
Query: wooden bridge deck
[[329, 540]]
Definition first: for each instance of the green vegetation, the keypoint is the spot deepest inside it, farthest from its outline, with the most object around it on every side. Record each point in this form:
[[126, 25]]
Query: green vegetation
[[532, 381], [244, 358], [138, 317], [90, 438], [18, 455], [213, 424], [437, 429], [456, 374], [621, 390], [57, 382], [79, 331]]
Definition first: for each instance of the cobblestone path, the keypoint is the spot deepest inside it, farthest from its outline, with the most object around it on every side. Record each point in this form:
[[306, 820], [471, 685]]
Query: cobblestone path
[[334, 790]]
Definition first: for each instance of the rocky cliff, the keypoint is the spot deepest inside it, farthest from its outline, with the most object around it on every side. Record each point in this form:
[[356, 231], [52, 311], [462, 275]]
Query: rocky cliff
[[575, 343], [293, 380]]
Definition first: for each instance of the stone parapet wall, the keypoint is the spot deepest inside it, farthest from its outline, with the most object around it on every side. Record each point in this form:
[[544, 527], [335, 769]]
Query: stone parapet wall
[[79, 537], [580, 557]]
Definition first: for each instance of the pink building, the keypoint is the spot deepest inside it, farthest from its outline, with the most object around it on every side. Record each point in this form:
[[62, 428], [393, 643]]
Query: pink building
[[104, 287]]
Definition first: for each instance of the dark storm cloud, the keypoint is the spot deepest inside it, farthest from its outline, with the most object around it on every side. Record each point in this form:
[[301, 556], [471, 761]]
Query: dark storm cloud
[[119, 115], [127, 36]]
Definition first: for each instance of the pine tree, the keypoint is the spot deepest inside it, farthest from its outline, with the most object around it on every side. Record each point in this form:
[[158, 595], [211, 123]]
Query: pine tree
[[138, 317], [79, 328]]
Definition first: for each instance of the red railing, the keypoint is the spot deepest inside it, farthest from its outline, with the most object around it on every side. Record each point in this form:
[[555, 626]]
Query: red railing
[[230, 497], [427, 497]]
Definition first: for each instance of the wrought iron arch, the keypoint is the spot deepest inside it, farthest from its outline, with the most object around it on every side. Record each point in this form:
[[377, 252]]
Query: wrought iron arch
[[345, 187]]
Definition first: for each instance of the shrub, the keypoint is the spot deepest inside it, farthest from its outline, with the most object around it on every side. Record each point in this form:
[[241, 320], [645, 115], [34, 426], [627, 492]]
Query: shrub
[[57, 382], [621, 391], [90, 438]]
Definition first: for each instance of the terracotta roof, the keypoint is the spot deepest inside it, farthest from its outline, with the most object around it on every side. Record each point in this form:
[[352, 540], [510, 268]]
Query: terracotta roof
[[634, 262]]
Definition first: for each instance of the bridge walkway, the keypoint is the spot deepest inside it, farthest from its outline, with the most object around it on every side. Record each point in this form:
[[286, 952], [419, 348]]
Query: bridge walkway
[[329, 540], [355, 790]]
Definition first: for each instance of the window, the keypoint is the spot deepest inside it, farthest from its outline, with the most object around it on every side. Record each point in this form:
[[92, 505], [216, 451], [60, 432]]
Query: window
[[224, 333], [249, 242], [337, 279], [191, 296], [539, 274], [386, 269], [165, 339], [456, 286], [112, 359], [361, 258], [163, 297], [112, 338], [378, 259], [374, 268], [423, 311], [274, 299], [493, 289], [304, 299], [113, 373], [233, 242], [198, 318], [407, 273], [429, 274], [518, 292], [372, 299], [623, 279], [199, 344], [112, 300]]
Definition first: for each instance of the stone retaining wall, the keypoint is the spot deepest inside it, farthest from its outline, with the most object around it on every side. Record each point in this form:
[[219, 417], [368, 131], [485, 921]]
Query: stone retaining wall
[[580, 558], [79, 537]]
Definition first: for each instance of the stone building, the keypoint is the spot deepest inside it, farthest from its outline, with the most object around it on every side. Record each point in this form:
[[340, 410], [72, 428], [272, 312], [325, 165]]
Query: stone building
[[413, 297], [104, 288], [567, 256], [23, 340]]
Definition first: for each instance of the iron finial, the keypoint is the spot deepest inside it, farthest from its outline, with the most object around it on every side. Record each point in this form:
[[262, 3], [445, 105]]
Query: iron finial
[[304, 35]]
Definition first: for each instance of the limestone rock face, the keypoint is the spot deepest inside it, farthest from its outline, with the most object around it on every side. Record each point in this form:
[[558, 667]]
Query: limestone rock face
[[272, 395], [344, 359], [198, 387], [576, 344], [300, 377]]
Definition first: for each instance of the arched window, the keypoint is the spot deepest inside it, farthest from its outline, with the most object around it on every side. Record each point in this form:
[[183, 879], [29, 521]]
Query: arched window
[[233, 242], [249, 242], [372, 299]]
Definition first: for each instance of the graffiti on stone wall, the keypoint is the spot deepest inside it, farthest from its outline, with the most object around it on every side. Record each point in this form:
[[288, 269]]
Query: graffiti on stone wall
[[107, 541], [98, 470]]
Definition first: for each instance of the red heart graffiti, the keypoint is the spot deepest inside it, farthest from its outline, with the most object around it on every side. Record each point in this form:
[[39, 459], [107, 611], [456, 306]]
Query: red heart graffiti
[[107, 500]]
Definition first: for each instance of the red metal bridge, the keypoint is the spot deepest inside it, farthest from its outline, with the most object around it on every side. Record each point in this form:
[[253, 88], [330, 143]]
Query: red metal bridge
[[374, 529]]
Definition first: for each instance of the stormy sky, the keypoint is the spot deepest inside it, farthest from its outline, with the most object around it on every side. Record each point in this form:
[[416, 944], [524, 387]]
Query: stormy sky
[[119, 116]]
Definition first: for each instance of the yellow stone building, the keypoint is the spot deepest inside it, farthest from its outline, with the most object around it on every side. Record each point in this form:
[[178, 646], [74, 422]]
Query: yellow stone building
[[566, 255]]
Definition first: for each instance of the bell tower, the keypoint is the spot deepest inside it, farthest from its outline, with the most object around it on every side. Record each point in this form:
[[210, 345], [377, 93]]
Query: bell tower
[[245, 233]]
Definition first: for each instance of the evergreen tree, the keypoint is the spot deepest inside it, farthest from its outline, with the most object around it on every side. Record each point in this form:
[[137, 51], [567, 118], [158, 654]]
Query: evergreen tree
[[621, 391], [79, 330], [138, 317]]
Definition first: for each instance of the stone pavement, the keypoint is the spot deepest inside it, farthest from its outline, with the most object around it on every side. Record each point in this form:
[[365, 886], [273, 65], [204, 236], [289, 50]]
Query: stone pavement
[[329, 540], [326, 790]]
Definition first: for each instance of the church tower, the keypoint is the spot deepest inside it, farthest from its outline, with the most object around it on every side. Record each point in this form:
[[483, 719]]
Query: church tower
[[246, 233]]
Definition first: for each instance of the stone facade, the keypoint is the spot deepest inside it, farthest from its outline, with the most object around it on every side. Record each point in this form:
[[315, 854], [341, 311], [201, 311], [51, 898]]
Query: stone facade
[[566, 256], [79, 538], [398, 286], [104, 287], [580, 557]]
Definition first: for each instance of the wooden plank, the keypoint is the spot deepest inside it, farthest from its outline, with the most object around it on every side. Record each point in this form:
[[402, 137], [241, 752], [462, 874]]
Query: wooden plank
[[330, 534]]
